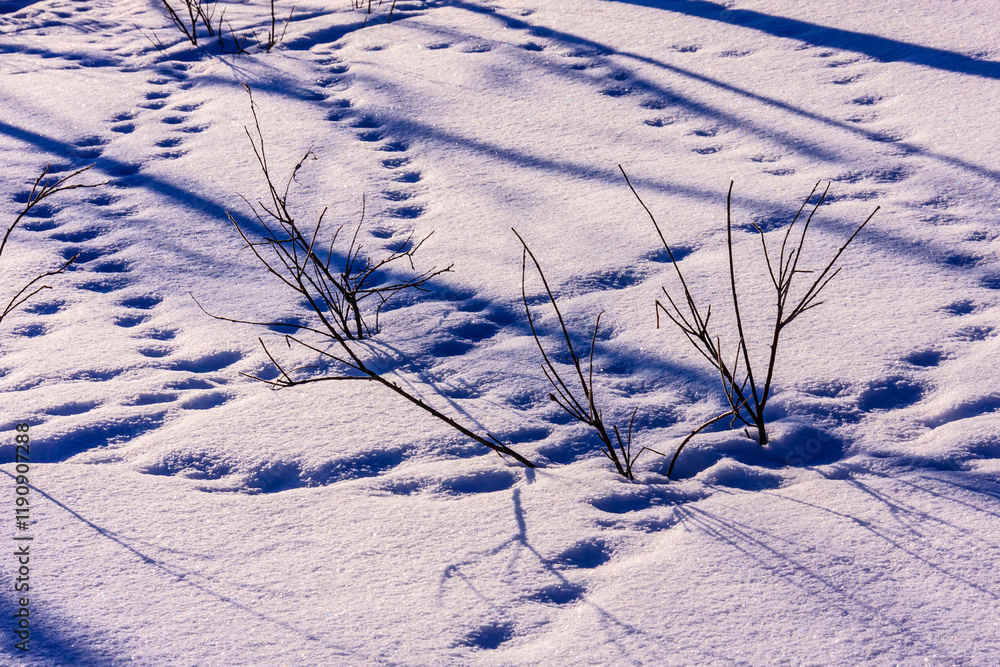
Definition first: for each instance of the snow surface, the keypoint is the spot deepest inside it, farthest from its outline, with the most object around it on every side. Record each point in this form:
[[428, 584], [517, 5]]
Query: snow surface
[[186, 515]]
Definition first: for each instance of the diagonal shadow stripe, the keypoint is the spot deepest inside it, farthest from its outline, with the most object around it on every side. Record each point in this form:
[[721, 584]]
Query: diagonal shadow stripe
[[569, 38], [882, 49]]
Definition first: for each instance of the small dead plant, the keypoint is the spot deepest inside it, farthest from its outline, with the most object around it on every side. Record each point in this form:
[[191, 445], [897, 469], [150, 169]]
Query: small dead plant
[[187, 17], [360, 4], [40, 192], [272, 38], [334, 291], [582, 408], [746, 392]]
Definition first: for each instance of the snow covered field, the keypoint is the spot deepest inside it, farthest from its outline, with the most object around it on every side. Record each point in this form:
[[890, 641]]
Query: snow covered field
[[184, 514]]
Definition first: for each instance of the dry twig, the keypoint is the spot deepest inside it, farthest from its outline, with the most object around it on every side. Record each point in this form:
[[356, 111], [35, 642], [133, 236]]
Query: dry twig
[[334, 293], [746, 393], [584, 409], [39, 192]]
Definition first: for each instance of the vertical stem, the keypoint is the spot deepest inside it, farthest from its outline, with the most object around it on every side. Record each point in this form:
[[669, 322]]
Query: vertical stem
[[736, 304]]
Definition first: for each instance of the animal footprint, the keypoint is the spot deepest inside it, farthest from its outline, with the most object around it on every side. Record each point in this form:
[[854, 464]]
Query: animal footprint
[[843, 81], [129, 321], [30, 330], [74, 408], [407, 212], [394, 147], [397, 195], [80, 236], [659, 122], [974, 334], [106, 285], [91, 436], [395, 162], [206, 401], [489, 637], [159, 334], [635, 501], [925, 358], [586, 554], [866, 100], [155, 352], [367, 122], [112, 266], [151, 399], [208, 363], [44, 308], [559, 594], [890, 394], [963, 307], [144, 302], [90, 147], [485, 481]]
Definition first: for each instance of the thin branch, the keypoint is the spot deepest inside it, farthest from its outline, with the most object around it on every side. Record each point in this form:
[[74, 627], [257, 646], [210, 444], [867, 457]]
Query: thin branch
[[673, 461]]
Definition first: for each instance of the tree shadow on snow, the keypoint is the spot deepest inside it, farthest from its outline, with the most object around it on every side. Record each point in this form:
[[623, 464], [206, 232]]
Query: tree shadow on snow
[[169, 575], [880, 48]]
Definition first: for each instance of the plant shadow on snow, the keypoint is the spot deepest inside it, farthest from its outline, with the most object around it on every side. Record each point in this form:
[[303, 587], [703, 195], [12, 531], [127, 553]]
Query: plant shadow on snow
[[103, 433], [878, 47], [412, 128], [496, 630], [68, 652], [64, 642], [736, 461]]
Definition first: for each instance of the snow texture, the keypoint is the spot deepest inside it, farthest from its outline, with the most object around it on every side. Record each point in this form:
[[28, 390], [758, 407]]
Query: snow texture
[[185, 514]]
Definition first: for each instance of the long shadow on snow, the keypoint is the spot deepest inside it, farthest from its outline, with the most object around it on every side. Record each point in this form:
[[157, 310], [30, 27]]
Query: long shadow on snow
[[179, 576], [882, 49], [53, 639], [571, 39], [11, 6], [939, 255], [773, 556], [190, 200], [942, 256], [492, 634]]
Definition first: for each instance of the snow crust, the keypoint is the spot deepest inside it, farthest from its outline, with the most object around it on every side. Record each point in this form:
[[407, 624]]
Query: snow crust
[[186, 515]]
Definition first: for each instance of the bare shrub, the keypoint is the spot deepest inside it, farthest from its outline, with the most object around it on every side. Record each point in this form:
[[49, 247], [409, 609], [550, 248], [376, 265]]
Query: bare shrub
[[272, 38], [746, 392], [187, 17], [582, 408], [40, 192], [335, 292]]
